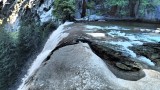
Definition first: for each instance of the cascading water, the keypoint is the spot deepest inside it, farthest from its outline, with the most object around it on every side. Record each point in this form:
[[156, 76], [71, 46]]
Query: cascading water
[[131, 38], [51, 43]]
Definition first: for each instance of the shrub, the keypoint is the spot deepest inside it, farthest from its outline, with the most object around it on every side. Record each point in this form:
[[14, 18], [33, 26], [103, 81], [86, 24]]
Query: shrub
[[16, 48], [8, 62], [64, 9]]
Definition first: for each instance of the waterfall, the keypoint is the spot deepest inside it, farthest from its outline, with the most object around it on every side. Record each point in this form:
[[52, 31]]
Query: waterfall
[[51, 43]]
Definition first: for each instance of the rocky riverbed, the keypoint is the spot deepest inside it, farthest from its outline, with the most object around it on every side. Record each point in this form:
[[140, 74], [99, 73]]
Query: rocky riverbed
[[100, 58]]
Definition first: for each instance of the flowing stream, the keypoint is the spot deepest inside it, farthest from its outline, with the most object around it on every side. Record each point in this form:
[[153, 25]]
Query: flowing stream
[[126, 34], [51, 43]]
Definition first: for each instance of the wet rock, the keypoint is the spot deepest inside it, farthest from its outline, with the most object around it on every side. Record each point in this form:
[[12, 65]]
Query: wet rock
[[155, 56], [81, 62], [117, 61], [126, 67], [157, 62], [78, 68], [149, 50], [95, 17], [157, 31], [123, 66]]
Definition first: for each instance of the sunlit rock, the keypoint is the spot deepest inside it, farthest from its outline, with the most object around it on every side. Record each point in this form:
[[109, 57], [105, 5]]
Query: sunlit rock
[[45, 11], [97, 34], [157, 31], [81, 69]]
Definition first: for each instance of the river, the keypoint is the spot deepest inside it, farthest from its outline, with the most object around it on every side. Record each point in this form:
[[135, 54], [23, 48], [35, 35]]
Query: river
[[126, 34]]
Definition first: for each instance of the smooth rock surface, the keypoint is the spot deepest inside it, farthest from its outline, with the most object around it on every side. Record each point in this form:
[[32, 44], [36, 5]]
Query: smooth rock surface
[[76, 67]]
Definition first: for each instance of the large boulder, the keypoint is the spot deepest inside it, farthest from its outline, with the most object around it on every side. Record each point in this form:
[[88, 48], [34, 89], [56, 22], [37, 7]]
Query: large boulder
[[121, 65], [82, 62], [149, 50], [74, 67]]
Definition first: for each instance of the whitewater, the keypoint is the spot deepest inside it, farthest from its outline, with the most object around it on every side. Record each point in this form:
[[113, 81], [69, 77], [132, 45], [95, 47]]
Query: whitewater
[[50, 45]]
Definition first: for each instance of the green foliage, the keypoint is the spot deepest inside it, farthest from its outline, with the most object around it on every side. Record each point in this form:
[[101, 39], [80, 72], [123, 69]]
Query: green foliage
[[47, 29], [29, 37], [146, 6], [64, 9], [120, 3], [14, 35], [90, 5], [8, 63], [156, 2], [17, 47]]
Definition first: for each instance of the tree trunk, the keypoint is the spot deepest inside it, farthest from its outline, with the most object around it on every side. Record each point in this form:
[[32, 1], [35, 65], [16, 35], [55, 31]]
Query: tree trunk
[[83, 14], [136, 8], [133, 7], [113, 10]]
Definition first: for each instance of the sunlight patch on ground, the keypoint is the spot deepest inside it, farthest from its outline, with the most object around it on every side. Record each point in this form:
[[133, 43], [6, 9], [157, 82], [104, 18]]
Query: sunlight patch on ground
[[96, 34], [93, 27], [14, 15], [1, 21]]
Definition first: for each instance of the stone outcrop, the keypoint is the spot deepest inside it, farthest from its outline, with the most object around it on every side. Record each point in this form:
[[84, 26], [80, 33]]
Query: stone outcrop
[[72, 67], [82, 62], [149, 50], [126, 67], [77, 67], [15, 11]]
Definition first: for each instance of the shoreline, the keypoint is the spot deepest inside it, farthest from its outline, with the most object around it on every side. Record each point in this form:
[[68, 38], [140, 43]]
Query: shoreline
[[120, 20]]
